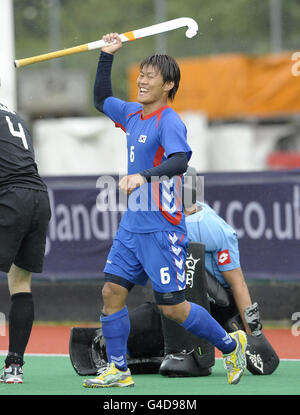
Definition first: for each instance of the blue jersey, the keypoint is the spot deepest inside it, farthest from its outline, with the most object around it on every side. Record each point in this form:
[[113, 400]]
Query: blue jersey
[[150, 140], [220, 239]]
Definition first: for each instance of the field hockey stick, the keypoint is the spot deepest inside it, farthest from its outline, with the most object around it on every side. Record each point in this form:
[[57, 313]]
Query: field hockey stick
[[125, 37]]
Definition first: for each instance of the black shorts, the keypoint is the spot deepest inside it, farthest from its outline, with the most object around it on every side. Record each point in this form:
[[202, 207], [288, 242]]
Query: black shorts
[[24, 218]]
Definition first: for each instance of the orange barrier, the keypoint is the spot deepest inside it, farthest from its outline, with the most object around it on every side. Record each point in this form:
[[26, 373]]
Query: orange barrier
[[235, 85]]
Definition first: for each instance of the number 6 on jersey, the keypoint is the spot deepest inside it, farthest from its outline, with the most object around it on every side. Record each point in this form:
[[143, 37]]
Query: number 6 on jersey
[[131, 155], [164, 275]]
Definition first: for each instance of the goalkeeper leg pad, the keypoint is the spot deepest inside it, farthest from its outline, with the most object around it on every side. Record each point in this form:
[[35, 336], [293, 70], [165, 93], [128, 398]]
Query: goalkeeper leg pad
[[86, 353], [186, 354], [87, 346], [184, 364]]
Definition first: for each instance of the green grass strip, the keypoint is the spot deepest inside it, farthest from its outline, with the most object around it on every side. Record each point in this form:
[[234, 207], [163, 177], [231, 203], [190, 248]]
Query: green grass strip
[[54, 375]]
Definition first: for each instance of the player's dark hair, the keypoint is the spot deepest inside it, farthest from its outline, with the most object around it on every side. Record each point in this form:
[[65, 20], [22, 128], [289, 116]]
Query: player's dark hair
[[168, 68]]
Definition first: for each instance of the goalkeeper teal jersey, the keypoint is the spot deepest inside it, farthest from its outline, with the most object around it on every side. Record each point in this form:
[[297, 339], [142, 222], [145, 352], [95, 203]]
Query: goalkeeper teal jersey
[[219, 238]]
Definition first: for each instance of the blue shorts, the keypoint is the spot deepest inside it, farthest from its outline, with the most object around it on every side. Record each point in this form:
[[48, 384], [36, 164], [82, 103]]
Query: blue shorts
[[159, 256]]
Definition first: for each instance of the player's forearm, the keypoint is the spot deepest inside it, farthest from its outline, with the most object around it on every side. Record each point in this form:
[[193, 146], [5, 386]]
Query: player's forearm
[[240, 292], [102, 85], [175, 165], [242, 300]]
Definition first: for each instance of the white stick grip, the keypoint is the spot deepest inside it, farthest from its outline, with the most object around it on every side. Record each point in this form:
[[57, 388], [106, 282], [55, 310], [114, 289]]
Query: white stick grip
[[98, 44]]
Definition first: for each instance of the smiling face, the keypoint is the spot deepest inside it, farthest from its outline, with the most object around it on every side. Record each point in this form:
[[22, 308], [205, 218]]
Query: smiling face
[[151, 87]]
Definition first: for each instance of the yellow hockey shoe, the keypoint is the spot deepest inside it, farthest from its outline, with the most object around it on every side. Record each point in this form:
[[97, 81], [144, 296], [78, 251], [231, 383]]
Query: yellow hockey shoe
[[235, 362], [110, 377]]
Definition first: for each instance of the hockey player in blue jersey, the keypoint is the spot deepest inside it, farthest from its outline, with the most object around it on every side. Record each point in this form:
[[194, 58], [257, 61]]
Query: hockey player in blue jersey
[[151, 242]]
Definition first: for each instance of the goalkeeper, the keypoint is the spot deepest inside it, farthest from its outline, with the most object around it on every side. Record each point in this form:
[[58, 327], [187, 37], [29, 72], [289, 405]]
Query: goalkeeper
[[222, 260], [224, 276]]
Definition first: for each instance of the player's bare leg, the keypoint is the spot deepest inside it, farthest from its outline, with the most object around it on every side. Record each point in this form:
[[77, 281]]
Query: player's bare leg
[[178, 312], [114, 297], [19, 280]]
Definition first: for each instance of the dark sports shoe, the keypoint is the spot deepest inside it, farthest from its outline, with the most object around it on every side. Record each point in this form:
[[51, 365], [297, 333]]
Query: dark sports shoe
[[12, 374]]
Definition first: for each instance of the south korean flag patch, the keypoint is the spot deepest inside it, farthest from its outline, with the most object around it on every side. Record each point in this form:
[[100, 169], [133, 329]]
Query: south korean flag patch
[[142, 139]]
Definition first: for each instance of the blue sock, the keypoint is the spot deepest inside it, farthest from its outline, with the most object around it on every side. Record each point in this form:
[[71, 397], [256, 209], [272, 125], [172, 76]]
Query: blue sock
[[116, 328], [200, 323]]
